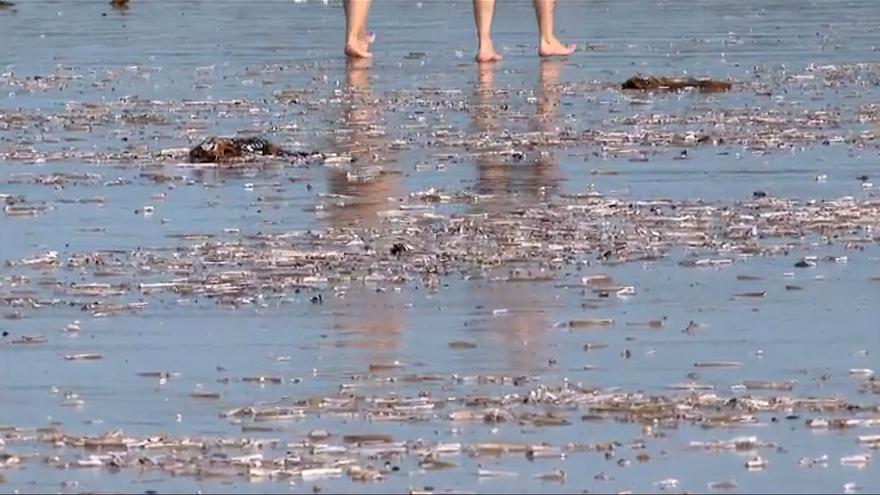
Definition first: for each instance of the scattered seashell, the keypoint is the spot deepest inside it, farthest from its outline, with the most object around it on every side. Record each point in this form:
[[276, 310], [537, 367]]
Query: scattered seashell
[[857, 460], [756, 463], [723, 485], [83, 357]]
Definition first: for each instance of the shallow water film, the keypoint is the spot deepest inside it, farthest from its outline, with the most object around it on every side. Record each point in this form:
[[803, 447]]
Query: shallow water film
[[418, 274]]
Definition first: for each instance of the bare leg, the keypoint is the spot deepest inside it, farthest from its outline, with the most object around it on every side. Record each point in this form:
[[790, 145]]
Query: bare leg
[[483, 12], [550, 46], [357, 39]]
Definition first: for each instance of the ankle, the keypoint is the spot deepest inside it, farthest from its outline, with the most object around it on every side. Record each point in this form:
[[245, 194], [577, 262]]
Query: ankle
[[548, 40]]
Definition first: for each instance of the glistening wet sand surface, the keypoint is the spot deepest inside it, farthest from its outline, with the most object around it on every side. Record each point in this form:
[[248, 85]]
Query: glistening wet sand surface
[[506, 278]]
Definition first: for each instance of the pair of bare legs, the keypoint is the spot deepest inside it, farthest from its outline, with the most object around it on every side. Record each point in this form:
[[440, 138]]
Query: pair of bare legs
[[358, 39], [549, 45]]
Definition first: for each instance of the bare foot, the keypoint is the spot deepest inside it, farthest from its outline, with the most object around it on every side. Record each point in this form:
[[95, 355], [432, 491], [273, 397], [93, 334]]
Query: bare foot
[[554, 47], [360, 46], [487, 53]]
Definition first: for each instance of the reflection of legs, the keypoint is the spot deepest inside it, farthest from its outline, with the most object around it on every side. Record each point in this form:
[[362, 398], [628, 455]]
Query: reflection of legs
[[548, 96], [485, 79], [356, 72], [550, 45], [363, 180], [374, 317], [357, 40], [543, 178], [491, 175], [360, 114], [483, 12]]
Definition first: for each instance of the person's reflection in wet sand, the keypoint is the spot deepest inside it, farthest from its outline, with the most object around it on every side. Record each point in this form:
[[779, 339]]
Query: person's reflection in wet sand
[[360, 192], [490, 168], [513, 183], [544, 176]]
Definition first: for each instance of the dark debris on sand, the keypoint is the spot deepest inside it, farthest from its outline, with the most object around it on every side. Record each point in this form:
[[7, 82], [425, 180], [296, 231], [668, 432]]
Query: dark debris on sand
[[223, 149], [652, 83]]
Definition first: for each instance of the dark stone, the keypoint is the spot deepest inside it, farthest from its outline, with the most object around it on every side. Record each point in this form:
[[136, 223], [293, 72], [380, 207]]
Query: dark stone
[[399, 248]]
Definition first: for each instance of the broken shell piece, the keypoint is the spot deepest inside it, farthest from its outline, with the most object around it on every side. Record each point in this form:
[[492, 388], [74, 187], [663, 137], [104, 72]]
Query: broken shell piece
[[650, 324], [83, 357], [758, 294], [583, 324], [756, 463], [723, 485], [818, 424], [72, 402], [805, 263], [851, 487], [821, 461], [486, 473], [555, 476], [667, 484], [157, 374], [600, 279], [871, 440], [200, 394], [275, 380], [691, 386], [29, 340], [320, 473], [498, 449], [626, 291], [459, 344], [592, 346], [385, 366], [764, 385], [319, 435], [544, 452], [436, 464], [739, 444], [90, 462], [489, 415], [717, 364], [861, 372], [858, 460], [367, 438]]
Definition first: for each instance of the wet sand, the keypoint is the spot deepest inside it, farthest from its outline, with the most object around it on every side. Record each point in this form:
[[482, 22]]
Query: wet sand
[[503, 273]]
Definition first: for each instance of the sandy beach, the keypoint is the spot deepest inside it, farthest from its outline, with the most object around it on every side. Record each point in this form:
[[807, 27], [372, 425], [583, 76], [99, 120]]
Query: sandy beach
[[445, 277]]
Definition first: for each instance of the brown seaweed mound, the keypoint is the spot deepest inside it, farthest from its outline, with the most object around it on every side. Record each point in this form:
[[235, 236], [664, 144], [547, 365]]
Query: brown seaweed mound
[[221, 149], [652, 83]]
